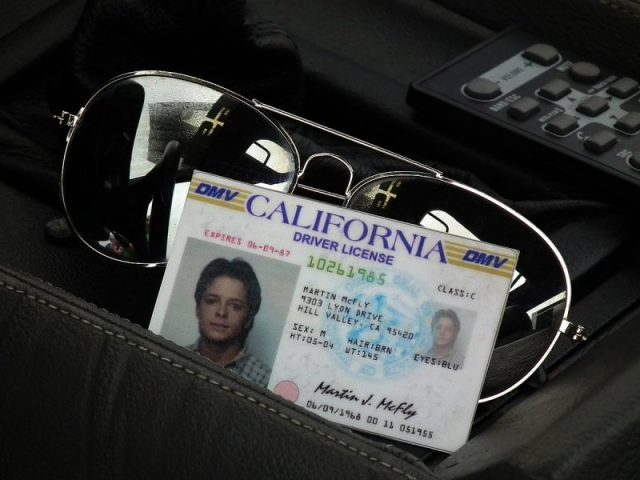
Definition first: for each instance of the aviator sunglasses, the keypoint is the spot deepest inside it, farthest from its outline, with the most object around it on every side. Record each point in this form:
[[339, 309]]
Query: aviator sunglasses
[[132, 149]]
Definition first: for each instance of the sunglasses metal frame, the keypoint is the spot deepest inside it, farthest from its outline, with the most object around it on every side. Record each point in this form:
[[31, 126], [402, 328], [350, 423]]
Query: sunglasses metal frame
[[573, 331]]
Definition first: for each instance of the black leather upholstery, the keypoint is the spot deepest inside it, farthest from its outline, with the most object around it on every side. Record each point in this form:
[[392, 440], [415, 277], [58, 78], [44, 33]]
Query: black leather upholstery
[[88, 395]]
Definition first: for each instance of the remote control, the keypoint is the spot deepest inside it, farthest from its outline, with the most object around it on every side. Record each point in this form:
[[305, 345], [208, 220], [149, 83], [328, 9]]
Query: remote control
[[534, 93]]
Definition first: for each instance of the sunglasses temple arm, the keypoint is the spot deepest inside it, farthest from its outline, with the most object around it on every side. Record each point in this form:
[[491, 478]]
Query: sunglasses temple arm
[[263, 106]]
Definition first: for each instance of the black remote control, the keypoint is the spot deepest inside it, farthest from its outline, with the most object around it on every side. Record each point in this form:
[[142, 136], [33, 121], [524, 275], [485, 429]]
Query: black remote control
[[537, 93]]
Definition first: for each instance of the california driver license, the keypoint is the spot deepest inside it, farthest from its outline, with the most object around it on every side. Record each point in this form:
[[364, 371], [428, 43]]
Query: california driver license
[[379, 325]]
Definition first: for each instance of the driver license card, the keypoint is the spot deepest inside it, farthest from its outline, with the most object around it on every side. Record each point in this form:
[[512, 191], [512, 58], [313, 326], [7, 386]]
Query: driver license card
[[378, 325]]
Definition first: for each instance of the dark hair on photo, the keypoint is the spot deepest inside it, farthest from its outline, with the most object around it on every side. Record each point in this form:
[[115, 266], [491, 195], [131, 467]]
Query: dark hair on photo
[[444, 313], [237, 269]]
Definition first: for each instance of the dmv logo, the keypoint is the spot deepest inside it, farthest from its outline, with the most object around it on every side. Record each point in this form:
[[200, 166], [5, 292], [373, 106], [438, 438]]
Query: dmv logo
[[481, 258], [213, 191], [219, 195]]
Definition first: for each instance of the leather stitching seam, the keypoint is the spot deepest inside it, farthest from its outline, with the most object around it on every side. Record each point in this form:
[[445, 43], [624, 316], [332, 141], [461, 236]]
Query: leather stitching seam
[[226, 388]]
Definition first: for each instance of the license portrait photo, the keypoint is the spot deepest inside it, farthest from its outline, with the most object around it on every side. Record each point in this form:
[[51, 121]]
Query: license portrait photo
[[451, 329], [230, 306]]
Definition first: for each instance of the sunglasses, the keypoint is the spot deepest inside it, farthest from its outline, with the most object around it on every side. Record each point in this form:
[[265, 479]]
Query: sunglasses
[[132, 149]]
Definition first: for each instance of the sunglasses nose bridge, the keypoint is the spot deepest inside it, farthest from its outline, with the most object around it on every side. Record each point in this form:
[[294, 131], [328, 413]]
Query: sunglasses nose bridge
[[312, 173]]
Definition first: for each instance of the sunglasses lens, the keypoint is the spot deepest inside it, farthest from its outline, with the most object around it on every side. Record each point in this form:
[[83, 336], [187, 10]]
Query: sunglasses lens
[[537, 300], [130, 159]]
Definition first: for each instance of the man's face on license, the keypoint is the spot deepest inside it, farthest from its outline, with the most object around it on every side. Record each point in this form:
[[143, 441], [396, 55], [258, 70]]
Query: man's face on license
[[223, 312], [444, 332]]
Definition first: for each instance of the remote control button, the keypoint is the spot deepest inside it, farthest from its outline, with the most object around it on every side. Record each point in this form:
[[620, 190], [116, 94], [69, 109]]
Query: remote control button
[[523, 109], [542, 54], [623, 87], [561, 124], [630, 123], [584, 72], [601, 141], [482, 89], [634, 160], [555, 89], [593, 106]]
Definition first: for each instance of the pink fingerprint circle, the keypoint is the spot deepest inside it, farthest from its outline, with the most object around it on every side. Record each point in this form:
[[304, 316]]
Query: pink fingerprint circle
[[287, 390]]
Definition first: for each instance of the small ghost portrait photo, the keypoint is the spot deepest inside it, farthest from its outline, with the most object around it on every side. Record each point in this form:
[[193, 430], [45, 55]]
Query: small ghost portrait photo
[[445, 329]]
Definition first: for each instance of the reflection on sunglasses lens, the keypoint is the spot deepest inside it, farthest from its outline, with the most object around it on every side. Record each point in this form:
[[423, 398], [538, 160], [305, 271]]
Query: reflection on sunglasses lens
[[129, 162]]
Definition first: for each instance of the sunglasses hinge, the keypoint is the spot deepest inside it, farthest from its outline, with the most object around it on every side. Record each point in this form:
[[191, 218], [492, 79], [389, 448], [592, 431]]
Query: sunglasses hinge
[[576, 332]]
